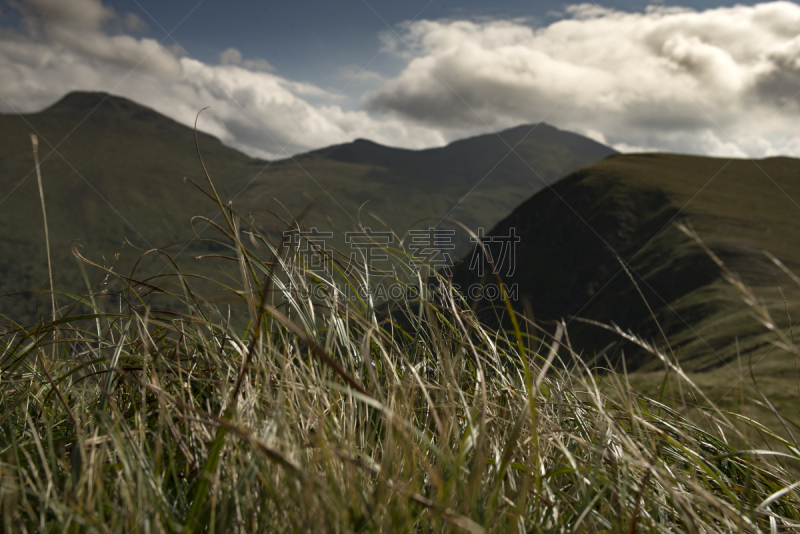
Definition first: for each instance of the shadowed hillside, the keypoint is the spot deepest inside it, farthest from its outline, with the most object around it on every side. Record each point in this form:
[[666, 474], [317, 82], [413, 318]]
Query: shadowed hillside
[[570, 236]]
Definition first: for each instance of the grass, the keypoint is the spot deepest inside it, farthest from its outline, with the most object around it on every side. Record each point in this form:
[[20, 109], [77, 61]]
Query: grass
[[269, 410]]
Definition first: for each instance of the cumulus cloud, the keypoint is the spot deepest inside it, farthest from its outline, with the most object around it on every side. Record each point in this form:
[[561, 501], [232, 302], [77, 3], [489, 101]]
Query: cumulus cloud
[[67, 45], [232, 56], [79, 26], [721, 81]]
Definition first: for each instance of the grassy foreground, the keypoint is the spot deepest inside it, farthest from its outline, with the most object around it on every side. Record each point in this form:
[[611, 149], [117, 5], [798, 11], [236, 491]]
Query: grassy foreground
[[310, 414]]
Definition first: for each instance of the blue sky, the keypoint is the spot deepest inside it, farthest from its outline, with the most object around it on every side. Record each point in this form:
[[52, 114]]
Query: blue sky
[[281, 78]]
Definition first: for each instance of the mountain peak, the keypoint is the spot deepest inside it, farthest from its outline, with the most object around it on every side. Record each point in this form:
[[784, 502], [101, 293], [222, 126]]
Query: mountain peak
[[86, 101], [364, 142], [81, 100], [104, 106]]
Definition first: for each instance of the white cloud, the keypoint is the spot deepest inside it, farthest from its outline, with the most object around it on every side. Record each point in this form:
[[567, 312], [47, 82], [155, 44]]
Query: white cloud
[[79, 25], [722, 81], [69, 45], [232, 56], [53, 14], [133, 23], [355, 74]]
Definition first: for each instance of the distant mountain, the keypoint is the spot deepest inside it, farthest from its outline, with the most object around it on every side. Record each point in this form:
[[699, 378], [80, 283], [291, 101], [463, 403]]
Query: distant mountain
[[119, 175], [476, 181], [570, 236]]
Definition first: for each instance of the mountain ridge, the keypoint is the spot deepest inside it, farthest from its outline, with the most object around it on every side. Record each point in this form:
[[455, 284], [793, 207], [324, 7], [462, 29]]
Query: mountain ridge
[[118, 177]]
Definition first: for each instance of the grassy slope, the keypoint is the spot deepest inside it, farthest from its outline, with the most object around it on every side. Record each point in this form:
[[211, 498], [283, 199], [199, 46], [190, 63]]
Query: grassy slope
[[627, 204], [144, 421], [134, 160], [738, 207]]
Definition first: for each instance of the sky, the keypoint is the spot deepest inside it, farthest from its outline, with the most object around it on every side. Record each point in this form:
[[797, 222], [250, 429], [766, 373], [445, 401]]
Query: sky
[[700, 77]]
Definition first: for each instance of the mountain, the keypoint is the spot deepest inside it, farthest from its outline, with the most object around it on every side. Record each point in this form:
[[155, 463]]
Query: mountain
[[475, 181], [118, 176], [570, 235]]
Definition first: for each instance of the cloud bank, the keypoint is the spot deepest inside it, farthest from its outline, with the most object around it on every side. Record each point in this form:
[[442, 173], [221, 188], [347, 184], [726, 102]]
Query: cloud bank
[[718, 82], [722, 81], [68, 45]]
